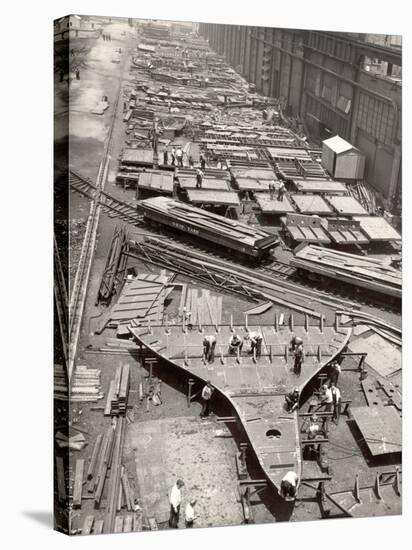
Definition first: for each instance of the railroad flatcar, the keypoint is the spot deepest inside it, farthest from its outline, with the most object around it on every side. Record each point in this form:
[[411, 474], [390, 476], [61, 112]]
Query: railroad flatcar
[[230, 234]]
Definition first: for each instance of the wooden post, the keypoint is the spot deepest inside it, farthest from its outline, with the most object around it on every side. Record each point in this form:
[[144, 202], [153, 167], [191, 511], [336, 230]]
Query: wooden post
[[286, 352], [189, 391], [378, 486], [356, 493], [222, 358], [270, 353], [200, 323], [319, 354], [321, 322], [276, 322], [336, 322], [291, 322], [186, 360], [167, 324], [246, 322], [397, 482], [231, 323], [306, 322]]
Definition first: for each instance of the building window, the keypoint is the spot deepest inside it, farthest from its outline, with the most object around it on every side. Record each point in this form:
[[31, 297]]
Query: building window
[[376, 118]]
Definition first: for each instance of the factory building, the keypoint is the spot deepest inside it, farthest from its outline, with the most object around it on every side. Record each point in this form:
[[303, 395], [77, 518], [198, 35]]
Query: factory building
[[342, 84]]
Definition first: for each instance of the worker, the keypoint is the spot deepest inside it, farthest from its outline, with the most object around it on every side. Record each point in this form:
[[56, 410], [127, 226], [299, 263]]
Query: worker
[[292, 400], [209, 344], [187, 318], [289, 485], [173, 157], [295, 342], [165, 157], [199, 178], [299, 357], [335, 371], [179, 156], [235, 344], [313, 431], [255, 339], [191, 162], [190, 515], [281, 191], [206, 395], [336, 403], [272, 189], [202, 161], [77, 74], [326, 398], [175, 500]]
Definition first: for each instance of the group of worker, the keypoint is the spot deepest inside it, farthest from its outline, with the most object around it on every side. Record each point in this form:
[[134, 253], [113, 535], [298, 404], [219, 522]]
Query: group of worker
[[254, 338], [281, 190], [106, 36], [175, 499], [176, 156]]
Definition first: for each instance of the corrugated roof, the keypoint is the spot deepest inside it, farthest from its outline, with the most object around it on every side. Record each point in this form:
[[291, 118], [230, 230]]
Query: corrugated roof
[[338, 144]]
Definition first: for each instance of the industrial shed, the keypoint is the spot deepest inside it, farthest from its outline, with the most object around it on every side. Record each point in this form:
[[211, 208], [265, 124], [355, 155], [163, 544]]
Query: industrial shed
[[342, 160]]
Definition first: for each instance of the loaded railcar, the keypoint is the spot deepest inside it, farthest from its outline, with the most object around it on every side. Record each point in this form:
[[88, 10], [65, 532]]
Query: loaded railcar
[[230, 234]]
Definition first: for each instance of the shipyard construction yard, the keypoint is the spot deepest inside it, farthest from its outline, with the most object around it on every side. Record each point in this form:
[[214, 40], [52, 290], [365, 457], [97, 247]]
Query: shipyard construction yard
[[204, 235]]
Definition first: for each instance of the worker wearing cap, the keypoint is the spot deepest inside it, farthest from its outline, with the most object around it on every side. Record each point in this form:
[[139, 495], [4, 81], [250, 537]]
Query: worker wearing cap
[[190, 515], [206, 395], [295, 342], [299, 356], [326, 398], [312, 433], [235, 344], [199, 178], [209, 344], [292, 400], [289, 485], [335, 371], [272, 188], [281, 191], [336, 402], [255, 339], [175, 500]]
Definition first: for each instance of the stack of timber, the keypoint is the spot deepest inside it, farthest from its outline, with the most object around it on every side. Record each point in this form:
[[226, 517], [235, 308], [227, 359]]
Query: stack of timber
[[138, 297], [85, 386], [100, 463], [116, 262], [116, 403], [73, 442], [356, 270], [204, 308], [229, 233]]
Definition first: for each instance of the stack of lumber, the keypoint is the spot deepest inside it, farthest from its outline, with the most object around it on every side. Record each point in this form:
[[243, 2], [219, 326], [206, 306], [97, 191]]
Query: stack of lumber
[[85, 384], [205, 224], [366, 272], [116, 403], [138, 297], [363, 194], [78, 483], [205, 309], [99, 464]]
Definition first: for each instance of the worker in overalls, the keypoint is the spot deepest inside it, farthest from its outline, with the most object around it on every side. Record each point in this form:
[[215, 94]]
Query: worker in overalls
[[206, 395], [289, 485], [255, 339], [292, 400], [281, 191], [209, 345], [311, 452], [299, 356], [336, 402], [199, 178], [235, 344]]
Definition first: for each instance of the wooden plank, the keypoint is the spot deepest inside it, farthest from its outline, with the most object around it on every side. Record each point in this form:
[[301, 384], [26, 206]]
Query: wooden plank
[[61, 482], [261, 308], [118, 524], [98, 527], [94, 457], [78, 483], [87, 525], [128, 523]]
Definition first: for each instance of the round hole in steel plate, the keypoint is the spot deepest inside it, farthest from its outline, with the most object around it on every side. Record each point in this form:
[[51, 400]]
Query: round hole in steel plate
[[273, 434]]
